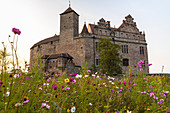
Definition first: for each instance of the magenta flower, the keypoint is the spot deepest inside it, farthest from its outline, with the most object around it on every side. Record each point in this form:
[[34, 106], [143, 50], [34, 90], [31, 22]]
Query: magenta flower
[[27, 78], [140, 62], [153, 85], [167, 99], [71, 79], [16, 31], [149, 64], [74, 74], [119, 83], [124, 83], [54, 86], [152, 75], [152, 94]]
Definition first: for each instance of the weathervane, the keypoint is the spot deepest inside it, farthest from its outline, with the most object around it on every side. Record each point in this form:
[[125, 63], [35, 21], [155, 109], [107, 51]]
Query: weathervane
[[69, 3]]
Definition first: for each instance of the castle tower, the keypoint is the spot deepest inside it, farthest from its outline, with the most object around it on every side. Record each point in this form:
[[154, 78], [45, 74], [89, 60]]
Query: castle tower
[[69, 25]]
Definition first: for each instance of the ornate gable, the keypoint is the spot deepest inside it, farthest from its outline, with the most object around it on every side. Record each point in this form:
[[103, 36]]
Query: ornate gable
[[129, 25], [102, 23]]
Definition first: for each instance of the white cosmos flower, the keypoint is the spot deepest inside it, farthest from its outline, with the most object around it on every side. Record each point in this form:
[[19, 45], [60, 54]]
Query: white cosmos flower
[[46, 84], [78, 76], [16, 76], [73, 109], [86, 75], [90, 104], [93, 75]]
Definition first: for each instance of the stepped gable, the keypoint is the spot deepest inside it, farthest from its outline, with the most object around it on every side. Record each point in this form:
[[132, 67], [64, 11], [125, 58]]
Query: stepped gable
[[84, 30], [129, 25], [47, 40], [69, 10], [53, 56]]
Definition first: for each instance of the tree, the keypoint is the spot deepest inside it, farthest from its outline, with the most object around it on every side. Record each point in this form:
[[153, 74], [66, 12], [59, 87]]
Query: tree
[[110, 60]]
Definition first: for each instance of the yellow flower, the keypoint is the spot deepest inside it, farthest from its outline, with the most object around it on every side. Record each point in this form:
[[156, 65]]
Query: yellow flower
[[105, 106], [25, 97], [148, 109], [66, 80], [68, 110]]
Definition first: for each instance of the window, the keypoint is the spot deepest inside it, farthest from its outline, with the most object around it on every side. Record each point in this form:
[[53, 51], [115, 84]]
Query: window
[[125, 62], [124, 48], [141, 50], [51, 42], [97, 62], [96, 45]]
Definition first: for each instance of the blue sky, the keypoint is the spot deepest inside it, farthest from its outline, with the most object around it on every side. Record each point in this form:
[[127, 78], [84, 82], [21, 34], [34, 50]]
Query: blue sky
[[39, 19]]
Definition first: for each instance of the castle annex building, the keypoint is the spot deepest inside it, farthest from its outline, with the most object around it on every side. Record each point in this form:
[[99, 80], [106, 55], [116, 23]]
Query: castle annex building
[[70, 49]]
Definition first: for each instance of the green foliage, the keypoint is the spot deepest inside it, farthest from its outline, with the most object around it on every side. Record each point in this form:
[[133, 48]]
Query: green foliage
[[110, 61]]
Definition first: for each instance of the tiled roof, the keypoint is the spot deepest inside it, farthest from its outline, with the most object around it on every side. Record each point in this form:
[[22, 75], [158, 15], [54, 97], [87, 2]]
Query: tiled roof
[[92, 28], [84, 30], [47, 40], [53, 56], [69, 10]]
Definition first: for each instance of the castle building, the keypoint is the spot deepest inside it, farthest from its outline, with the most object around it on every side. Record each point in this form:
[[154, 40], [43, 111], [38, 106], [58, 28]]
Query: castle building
[[70, 49]]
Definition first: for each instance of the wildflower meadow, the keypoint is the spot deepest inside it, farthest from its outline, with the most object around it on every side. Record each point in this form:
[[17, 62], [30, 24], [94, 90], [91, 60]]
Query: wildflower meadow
[[86, 92]]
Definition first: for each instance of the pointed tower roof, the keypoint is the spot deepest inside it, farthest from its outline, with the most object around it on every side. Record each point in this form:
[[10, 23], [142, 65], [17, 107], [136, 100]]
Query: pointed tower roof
[[69, 10], [84, 30]]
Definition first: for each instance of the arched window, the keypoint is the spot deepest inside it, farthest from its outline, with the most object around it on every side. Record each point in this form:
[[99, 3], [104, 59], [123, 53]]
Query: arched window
[[125, 62]]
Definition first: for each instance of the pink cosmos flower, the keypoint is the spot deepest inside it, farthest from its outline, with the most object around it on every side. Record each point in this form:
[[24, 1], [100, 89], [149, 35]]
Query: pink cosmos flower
[[140, 62], [149, 64], [152, 75], [67, 88], [88, 71], [119, 83], [26, 101], [134, 84], [153, 85], [152, 94], [140, 66], [47, 106], [150, 86], [74, 81], [43, 105], [146, 79]]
